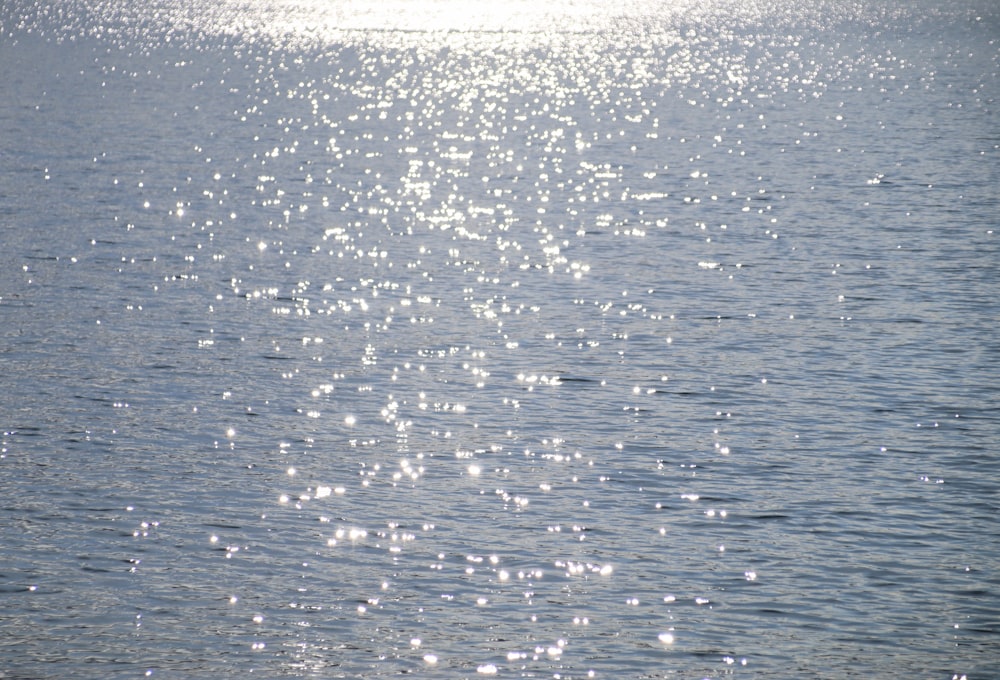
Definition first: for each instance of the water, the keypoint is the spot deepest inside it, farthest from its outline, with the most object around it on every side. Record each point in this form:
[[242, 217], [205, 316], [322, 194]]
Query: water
[[356, 340]]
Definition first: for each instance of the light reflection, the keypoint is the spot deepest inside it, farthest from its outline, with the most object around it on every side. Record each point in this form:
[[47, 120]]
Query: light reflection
[[428, 203]]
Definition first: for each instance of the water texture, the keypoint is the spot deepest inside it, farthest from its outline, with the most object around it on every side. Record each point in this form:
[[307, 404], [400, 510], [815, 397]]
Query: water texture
[[566, 340]]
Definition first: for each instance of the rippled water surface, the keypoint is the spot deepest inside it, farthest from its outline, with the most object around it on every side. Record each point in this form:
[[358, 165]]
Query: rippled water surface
[[566, 340]]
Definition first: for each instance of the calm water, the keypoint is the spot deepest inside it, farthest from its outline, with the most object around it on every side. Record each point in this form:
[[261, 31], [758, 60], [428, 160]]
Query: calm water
[[536, 340]]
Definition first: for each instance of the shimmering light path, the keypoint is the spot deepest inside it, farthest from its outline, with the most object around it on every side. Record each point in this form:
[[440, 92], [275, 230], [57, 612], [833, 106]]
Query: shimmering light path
[[451, 339]]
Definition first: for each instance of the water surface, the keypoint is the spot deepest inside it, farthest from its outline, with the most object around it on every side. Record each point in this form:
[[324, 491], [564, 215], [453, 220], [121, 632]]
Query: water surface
[[354, 340]]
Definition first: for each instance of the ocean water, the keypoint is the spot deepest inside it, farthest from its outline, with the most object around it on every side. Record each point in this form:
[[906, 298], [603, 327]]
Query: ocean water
[[528, 340]]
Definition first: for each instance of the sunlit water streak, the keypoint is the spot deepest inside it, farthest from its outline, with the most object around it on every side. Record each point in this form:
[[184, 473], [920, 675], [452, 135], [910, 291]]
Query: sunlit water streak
[[524, 339]]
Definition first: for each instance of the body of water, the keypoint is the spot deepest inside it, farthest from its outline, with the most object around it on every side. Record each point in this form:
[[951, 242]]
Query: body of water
[[536, 340]]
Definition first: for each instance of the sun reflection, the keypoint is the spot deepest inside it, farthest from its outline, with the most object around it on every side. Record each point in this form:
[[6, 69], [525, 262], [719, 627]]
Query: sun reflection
[[487, 181], [456, 21]]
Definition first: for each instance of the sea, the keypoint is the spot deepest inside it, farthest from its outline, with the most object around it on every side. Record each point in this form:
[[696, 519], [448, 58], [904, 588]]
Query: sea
[[468, 339]]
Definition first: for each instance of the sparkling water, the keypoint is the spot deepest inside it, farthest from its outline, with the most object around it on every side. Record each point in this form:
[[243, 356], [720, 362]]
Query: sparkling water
[[529, 339]]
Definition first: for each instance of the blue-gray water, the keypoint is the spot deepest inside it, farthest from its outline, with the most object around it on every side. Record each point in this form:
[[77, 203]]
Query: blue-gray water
[[529, 340]]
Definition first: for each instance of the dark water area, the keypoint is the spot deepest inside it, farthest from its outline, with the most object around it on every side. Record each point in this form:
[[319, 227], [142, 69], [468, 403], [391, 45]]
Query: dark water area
[[459, 340]]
